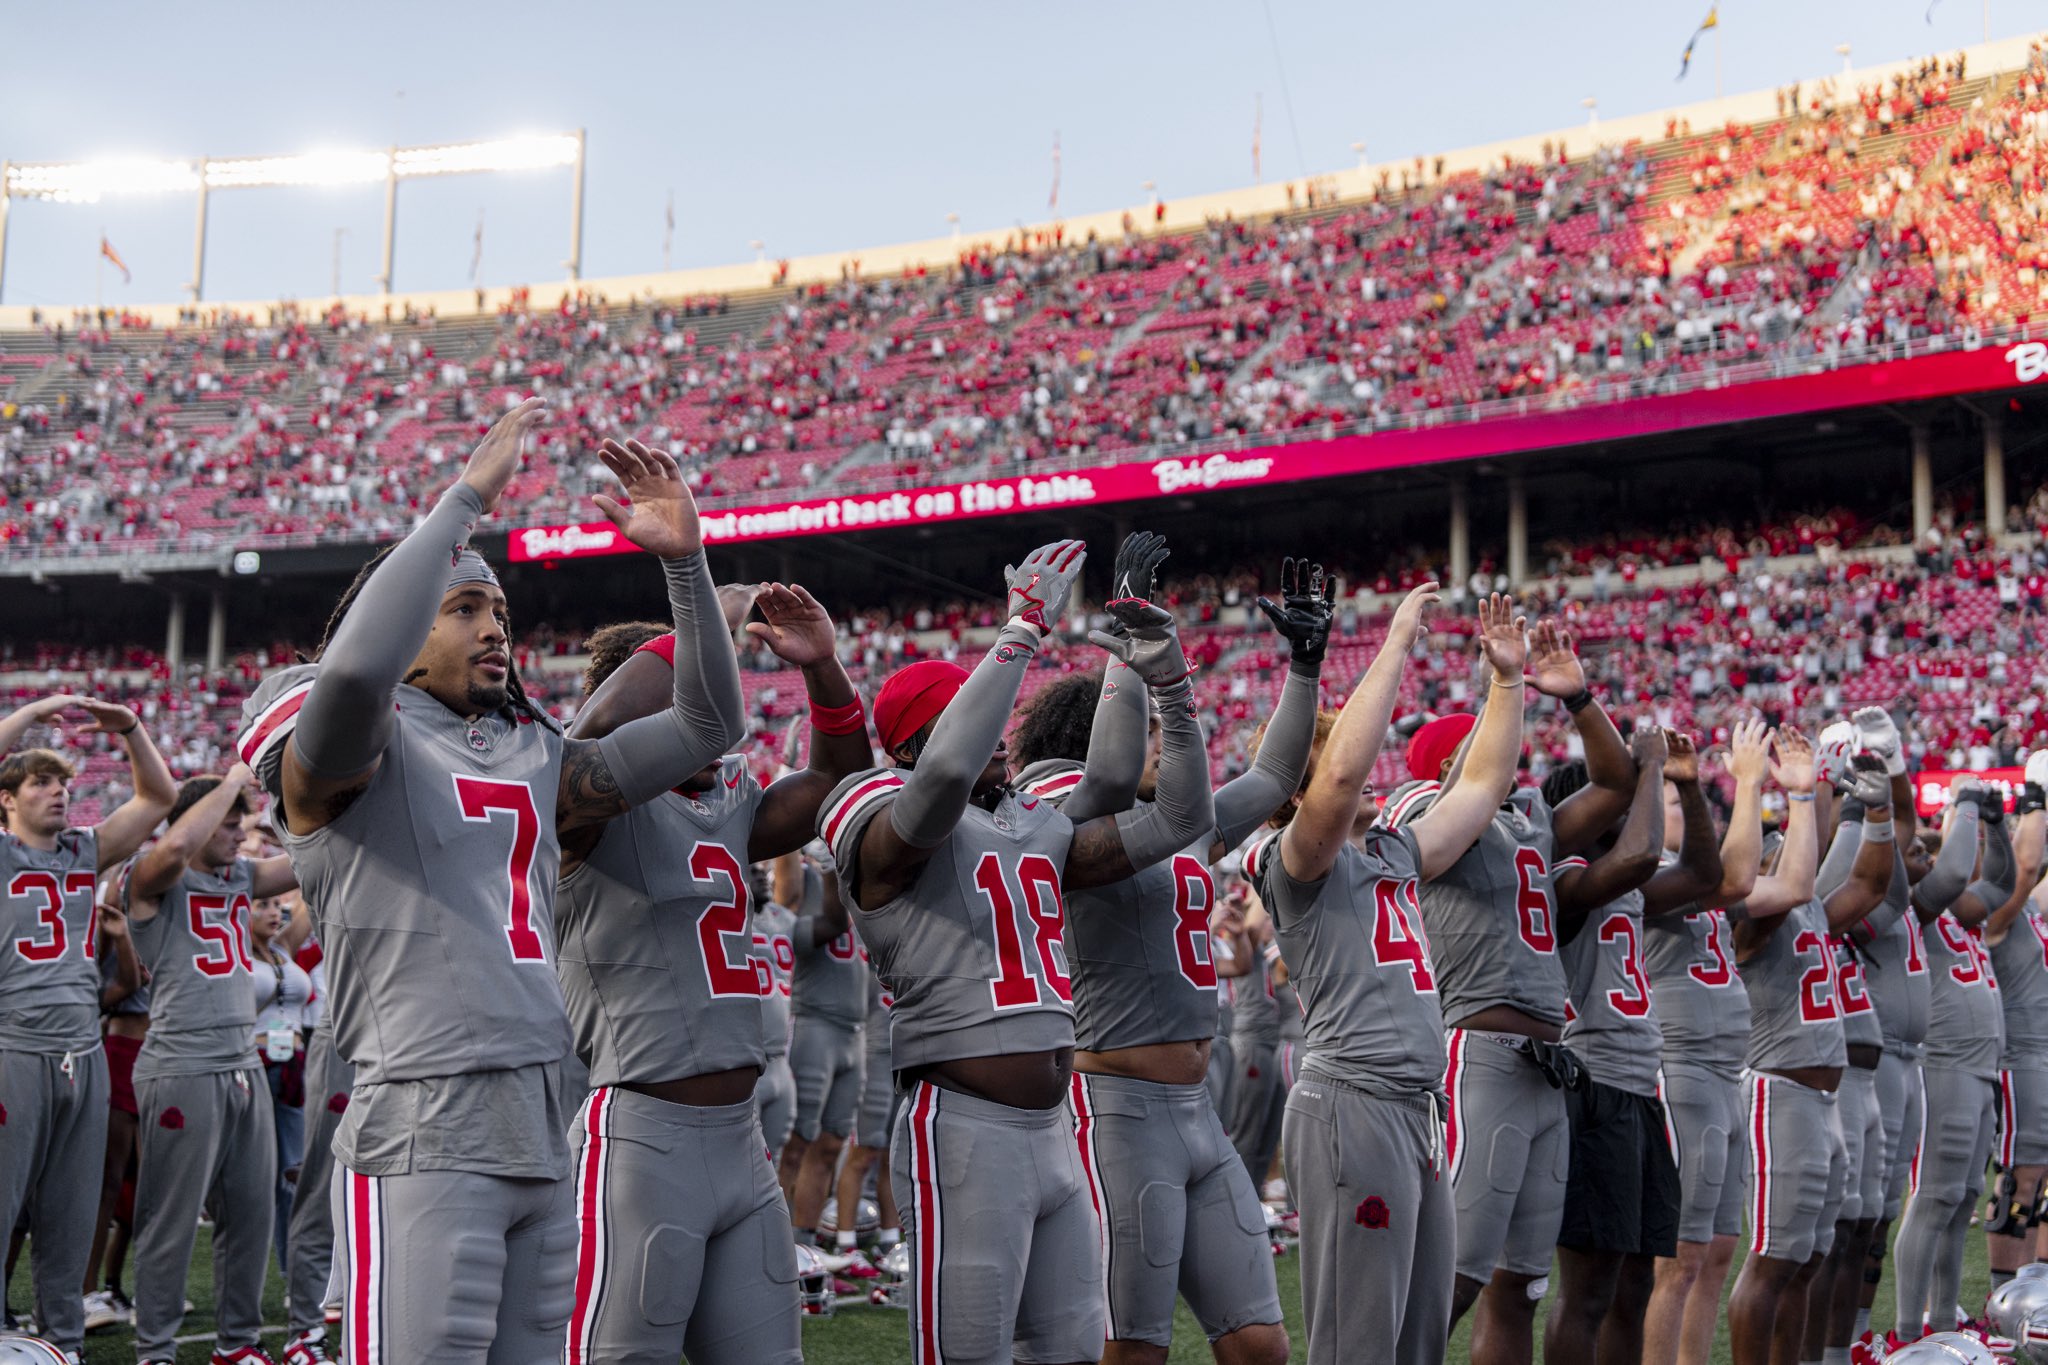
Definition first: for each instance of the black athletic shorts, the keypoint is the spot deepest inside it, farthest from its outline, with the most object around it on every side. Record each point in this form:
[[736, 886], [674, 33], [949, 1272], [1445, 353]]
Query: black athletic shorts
[[1623, 1192]]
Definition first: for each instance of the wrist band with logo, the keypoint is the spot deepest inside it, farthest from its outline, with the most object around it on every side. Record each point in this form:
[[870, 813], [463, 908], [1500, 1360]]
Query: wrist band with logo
[[838, 720]]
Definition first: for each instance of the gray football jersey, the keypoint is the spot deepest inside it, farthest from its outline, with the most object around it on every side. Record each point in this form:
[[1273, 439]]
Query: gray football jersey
[[1492, 918], [656, 944], [1287, 1002], [973, 951], [1613, 1028], [881, 1009], [830, 980], [436, 894], [49, 933], [1359, 957], [136, 1002], [1966, 1023], [1895, 974], [1794, 1020], [1702, 1007], [1226, 997], [2020, 960], [1852, 993], [1257, 1012], [1139, 948], [201, 975], [771, 947]]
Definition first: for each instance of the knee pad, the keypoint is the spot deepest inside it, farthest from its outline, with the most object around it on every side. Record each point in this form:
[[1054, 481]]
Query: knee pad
[[2005, 1214], [1873, 1261]]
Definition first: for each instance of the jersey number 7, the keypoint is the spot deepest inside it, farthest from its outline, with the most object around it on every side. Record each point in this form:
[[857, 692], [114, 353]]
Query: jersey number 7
[[481, 798]]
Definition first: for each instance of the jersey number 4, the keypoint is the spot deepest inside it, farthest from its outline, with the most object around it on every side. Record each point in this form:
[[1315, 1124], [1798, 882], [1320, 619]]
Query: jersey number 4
[[482, 798], [50, 915], [1394, 938], [1016, 984]]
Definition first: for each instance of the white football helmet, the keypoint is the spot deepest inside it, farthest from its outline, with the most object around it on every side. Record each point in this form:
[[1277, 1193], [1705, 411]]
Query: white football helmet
[[1944, 1348], [814, 1282], [2013, 1302], [16, 1350]]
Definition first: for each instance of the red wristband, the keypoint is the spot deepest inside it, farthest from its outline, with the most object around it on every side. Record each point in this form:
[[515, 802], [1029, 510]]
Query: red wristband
[[838, 720]]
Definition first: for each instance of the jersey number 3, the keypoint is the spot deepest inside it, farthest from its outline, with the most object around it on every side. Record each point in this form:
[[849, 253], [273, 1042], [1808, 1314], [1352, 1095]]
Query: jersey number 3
[[50, 915], [1016, 985]]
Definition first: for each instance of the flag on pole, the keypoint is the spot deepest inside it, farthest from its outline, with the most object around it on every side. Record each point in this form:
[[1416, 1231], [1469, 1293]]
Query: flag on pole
[[107, 250], [1258, 117], [1713, 20], [1052, 203], [476, 259]]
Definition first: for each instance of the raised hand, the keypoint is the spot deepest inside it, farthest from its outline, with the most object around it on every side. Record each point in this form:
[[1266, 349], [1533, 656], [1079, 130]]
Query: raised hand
[[108, 718], [1838, 744], [1881, 737], [1650, 746], [113, 924], [1150, 646], [660, 515], [1406, 627], [793, 625], [1749, 759], [1503, 635], [1682, 763], [1308, 606], [1868, 781], [1137, 565], [1554, 668], [736, 601], [1792, 762], [495, 462], [1041, 585]]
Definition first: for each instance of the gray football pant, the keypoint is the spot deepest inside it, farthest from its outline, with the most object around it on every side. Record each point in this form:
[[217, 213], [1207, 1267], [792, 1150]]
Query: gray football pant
[[775, 1098], [53, 1139], [1798, 1163], [1258, 1100], [453, 1267], [1509, 1145], [1899, 1101], [1703, 1112], [1178, 1212], [1222, 1071], [1955, 1141], [1378, 1227], [309, 1250], [1004, 1246], [1863, 1137], [826, 1059], [204, 1142], [683, 1245]]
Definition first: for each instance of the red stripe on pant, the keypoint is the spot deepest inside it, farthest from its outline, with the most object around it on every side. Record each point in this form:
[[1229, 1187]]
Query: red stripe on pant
[[924, 1177], [1084, 1139], [2005, 1118], [590, 1233], [1452, 1075], [1760, 1159], [364, 1347]]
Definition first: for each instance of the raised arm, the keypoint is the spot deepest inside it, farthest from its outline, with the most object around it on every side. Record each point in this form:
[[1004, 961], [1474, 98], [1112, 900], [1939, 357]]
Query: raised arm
[[1486, 773], [273, 876], [121, 833], [1317, 831], [1248, 801], [1742, 845], [1944, 882], [1555, 671], [799, 631], [1799, 856], [948, 764], [1870, 876], [1999, 876], [1698, 873], [115, 939], [1115, 763], [158, 868], [1632, 861], [2029, 832], [347, 718], [706, 716]]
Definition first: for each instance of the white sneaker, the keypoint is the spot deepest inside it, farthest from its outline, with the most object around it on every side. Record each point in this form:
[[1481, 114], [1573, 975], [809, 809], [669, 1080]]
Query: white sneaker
[[101, 1311]]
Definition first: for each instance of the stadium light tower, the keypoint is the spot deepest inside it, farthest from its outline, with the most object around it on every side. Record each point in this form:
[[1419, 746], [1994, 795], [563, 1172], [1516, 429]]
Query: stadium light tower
[[1842, 51], [87, 182]]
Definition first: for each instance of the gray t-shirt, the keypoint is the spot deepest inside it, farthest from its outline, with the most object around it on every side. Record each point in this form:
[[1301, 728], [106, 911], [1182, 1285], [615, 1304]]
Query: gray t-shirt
[[1702, 1007], [1492, 917], [2020, 961], [656, 943], [973, 950], [1613, 1028], [1359, 958], [49, 933], [201, 975], [1794, 1020], [1966, 1023]]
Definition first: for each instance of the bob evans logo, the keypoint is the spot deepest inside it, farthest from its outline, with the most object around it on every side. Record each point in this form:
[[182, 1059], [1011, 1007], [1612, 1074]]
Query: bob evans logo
[[2029, 360], [563, 542], [1216, 470]]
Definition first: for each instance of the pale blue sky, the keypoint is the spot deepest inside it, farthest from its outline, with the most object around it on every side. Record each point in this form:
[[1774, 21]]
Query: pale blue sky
[[815, 126]]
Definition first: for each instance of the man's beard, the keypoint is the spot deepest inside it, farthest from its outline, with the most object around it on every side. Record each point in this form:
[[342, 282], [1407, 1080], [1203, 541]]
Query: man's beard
[[485, 699]]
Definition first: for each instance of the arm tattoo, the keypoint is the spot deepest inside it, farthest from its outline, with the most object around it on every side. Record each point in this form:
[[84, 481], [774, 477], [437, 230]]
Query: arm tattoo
[[1096, 857], [588, 793]]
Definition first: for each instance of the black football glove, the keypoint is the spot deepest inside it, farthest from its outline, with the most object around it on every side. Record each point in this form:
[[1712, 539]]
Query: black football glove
[[1136, 574], [2033, 797], [1308, 606]]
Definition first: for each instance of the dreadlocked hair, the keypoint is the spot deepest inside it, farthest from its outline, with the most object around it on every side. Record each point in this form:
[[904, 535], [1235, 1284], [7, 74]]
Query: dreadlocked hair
[[1563, 781], [1058, 720], [516, 699], [612, 645]]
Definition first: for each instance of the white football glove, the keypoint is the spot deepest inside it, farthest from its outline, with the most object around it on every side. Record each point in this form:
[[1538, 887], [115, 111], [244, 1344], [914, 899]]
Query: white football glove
[[1881, 737], [1838, 744]]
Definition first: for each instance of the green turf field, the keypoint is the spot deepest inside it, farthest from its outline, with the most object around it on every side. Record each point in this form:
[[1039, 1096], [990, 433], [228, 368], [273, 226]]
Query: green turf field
[[856, 1336]]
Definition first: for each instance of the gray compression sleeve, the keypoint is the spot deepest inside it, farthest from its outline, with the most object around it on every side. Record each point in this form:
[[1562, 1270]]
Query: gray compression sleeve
[[1897, 896], [1183, 809], [1945, 881], [348, 717], [1995, 883], [706, 717], [1116, 747], [1841, 854], [1248, 801], [935, 795]]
